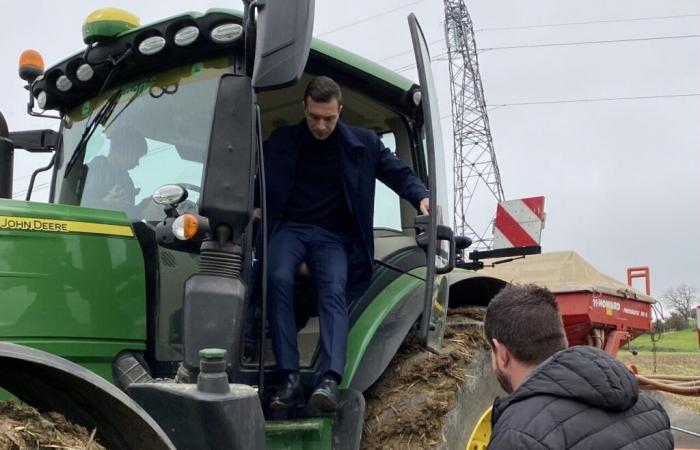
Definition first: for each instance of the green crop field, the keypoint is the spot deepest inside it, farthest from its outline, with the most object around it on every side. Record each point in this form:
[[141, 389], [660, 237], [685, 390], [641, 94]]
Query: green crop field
[[675, 341]]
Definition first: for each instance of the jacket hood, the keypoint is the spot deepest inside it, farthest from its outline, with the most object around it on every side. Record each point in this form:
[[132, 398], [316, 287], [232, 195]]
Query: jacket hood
[[582, 373]]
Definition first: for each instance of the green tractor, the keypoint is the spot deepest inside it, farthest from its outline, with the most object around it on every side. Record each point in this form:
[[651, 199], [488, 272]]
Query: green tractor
[[146, 321]]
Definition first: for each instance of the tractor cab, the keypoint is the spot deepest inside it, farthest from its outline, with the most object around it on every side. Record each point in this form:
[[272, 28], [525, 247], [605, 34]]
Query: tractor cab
[[153, 127]]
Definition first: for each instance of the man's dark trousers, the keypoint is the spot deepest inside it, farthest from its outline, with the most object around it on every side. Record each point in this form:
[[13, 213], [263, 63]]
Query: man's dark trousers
[[326, 254]]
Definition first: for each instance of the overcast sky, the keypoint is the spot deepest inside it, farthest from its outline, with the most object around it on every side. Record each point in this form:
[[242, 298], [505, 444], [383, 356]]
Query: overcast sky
[[620, 177]]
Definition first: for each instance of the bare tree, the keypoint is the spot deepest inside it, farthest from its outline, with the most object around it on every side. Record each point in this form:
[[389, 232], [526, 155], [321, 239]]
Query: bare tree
[[682, 298]]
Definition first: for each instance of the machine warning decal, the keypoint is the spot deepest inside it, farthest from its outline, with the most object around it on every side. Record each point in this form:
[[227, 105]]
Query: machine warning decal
[[62, 226]]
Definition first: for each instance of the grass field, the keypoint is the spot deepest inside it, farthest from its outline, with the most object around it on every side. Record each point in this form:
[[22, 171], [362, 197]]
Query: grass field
[[676, 354], [685, 341]]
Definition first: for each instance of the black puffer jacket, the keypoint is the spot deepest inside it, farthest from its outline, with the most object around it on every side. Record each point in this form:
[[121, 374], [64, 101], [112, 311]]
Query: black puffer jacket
[[581, 398]]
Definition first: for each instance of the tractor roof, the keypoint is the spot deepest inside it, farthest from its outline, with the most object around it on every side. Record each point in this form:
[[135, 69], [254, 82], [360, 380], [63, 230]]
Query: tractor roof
[[348, 67]]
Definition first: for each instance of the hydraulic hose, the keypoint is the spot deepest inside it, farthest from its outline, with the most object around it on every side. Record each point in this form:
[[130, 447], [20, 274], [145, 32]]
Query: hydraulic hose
[[674, 384]]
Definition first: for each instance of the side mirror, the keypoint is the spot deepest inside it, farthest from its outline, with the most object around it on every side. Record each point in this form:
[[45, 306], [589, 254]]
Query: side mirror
[[283, 40], [462, 243], [170, 195]]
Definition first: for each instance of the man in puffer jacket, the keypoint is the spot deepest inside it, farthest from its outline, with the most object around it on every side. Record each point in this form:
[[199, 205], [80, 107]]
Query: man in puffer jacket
[[562, 398]]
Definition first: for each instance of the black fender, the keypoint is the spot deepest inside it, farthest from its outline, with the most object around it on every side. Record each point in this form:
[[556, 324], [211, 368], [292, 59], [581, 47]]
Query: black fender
[[51, 383]]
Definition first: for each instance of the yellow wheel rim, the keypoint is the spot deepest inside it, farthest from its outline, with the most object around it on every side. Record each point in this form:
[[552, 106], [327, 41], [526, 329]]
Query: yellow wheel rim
[[481, 436]]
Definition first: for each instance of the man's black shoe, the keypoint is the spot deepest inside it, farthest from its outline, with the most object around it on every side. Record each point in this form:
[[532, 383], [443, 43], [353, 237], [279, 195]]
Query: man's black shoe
[[290, 393], [325, 396]]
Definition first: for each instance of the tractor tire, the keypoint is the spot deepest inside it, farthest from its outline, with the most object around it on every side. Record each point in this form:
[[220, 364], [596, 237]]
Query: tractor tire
[[428, 400]]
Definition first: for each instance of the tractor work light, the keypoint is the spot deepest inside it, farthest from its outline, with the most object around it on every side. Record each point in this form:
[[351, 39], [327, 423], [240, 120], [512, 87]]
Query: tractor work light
[[63, 84], [152, 45], [31, 65], [84, 72], [185, 227], [186, 35], [417, 97], [106, 23], [169, 195], [226, 33], [41, 99]]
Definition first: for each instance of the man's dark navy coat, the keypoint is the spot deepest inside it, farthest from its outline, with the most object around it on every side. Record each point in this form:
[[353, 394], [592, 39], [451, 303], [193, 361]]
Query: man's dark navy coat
[[364, 159]]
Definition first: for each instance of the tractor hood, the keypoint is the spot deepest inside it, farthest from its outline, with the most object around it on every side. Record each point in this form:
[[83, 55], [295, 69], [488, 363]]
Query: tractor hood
[[72, 281]]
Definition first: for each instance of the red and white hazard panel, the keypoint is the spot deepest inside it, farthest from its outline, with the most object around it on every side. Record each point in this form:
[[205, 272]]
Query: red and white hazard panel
[[519, 223]]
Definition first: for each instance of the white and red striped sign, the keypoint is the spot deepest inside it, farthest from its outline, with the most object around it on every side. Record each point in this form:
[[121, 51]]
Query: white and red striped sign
[[519, 223]]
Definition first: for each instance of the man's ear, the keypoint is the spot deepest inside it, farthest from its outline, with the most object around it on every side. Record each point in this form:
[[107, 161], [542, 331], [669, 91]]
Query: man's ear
[[340, 109], [501, 353]]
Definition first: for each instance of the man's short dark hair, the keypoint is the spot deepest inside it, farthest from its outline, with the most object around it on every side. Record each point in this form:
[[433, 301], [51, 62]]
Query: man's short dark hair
[[527, 321], [323, 89]]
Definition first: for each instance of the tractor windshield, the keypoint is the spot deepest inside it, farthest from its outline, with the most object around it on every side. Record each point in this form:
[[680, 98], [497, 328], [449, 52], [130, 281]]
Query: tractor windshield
[[119, 147]]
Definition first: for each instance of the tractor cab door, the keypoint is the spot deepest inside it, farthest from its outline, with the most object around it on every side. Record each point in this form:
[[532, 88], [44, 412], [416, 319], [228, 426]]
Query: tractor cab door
[[435, 238]]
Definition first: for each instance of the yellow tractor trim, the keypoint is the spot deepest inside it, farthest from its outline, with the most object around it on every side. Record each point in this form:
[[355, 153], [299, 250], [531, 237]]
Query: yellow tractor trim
[[62, 226], [481, 436]]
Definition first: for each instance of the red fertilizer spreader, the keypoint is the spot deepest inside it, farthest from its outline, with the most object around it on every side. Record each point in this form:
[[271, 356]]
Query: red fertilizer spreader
[[596, 309]]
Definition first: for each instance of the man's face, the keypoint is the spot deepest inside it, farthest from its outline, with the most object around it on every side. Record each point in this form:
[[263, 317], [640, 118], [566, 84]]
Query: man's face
[[498, 368], [503, 380], [321, 117]]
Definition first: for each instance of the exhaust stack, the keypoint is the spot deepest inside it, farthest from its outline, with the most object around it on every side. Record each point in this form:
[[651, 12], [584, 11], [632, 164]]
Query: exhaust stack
[[7, 157]]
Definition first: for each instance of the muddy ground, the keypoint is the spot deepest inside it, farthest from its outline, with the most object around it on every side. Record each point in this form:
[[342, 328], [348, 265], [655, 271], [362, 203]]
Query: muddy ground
[[24, 428], [408, 405]]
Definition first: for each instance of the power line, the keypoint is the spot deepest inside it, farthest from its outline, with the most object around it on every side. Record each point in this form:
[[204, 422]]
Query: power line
[[14, 180], [612, 41], [589, 100], [548, 25], [438, 57], [374, 16], [557, 44], [37, 188], [493, 106], [408, 51], [518, 27]]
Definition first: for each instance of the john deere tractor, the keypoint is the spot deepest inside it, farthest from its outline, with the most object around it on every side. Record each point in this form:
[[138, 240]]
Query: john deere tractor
[[133, 301]]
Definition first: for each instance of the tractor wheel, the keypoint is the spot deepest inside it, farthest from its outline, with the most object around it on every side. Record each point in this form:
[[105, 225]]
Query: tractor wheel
[[427, 400]]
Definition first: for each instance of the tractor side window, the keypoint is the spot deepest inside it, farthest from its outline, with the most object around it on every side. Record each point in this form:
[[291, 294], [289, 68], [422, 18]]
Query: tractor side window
[[387, 204]]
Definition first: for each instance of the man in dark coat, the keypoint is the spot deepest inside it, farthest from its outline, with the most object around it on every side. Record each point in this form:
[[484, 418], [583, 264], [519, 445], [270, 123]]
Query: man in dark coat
[[562, 398], [320, 182]]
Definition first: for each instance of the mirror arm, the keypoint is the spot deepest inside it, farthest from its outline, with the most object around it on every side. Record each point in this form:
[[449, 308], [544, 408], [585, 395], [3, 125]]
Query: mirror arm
[[37, 172], [30, 106]]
